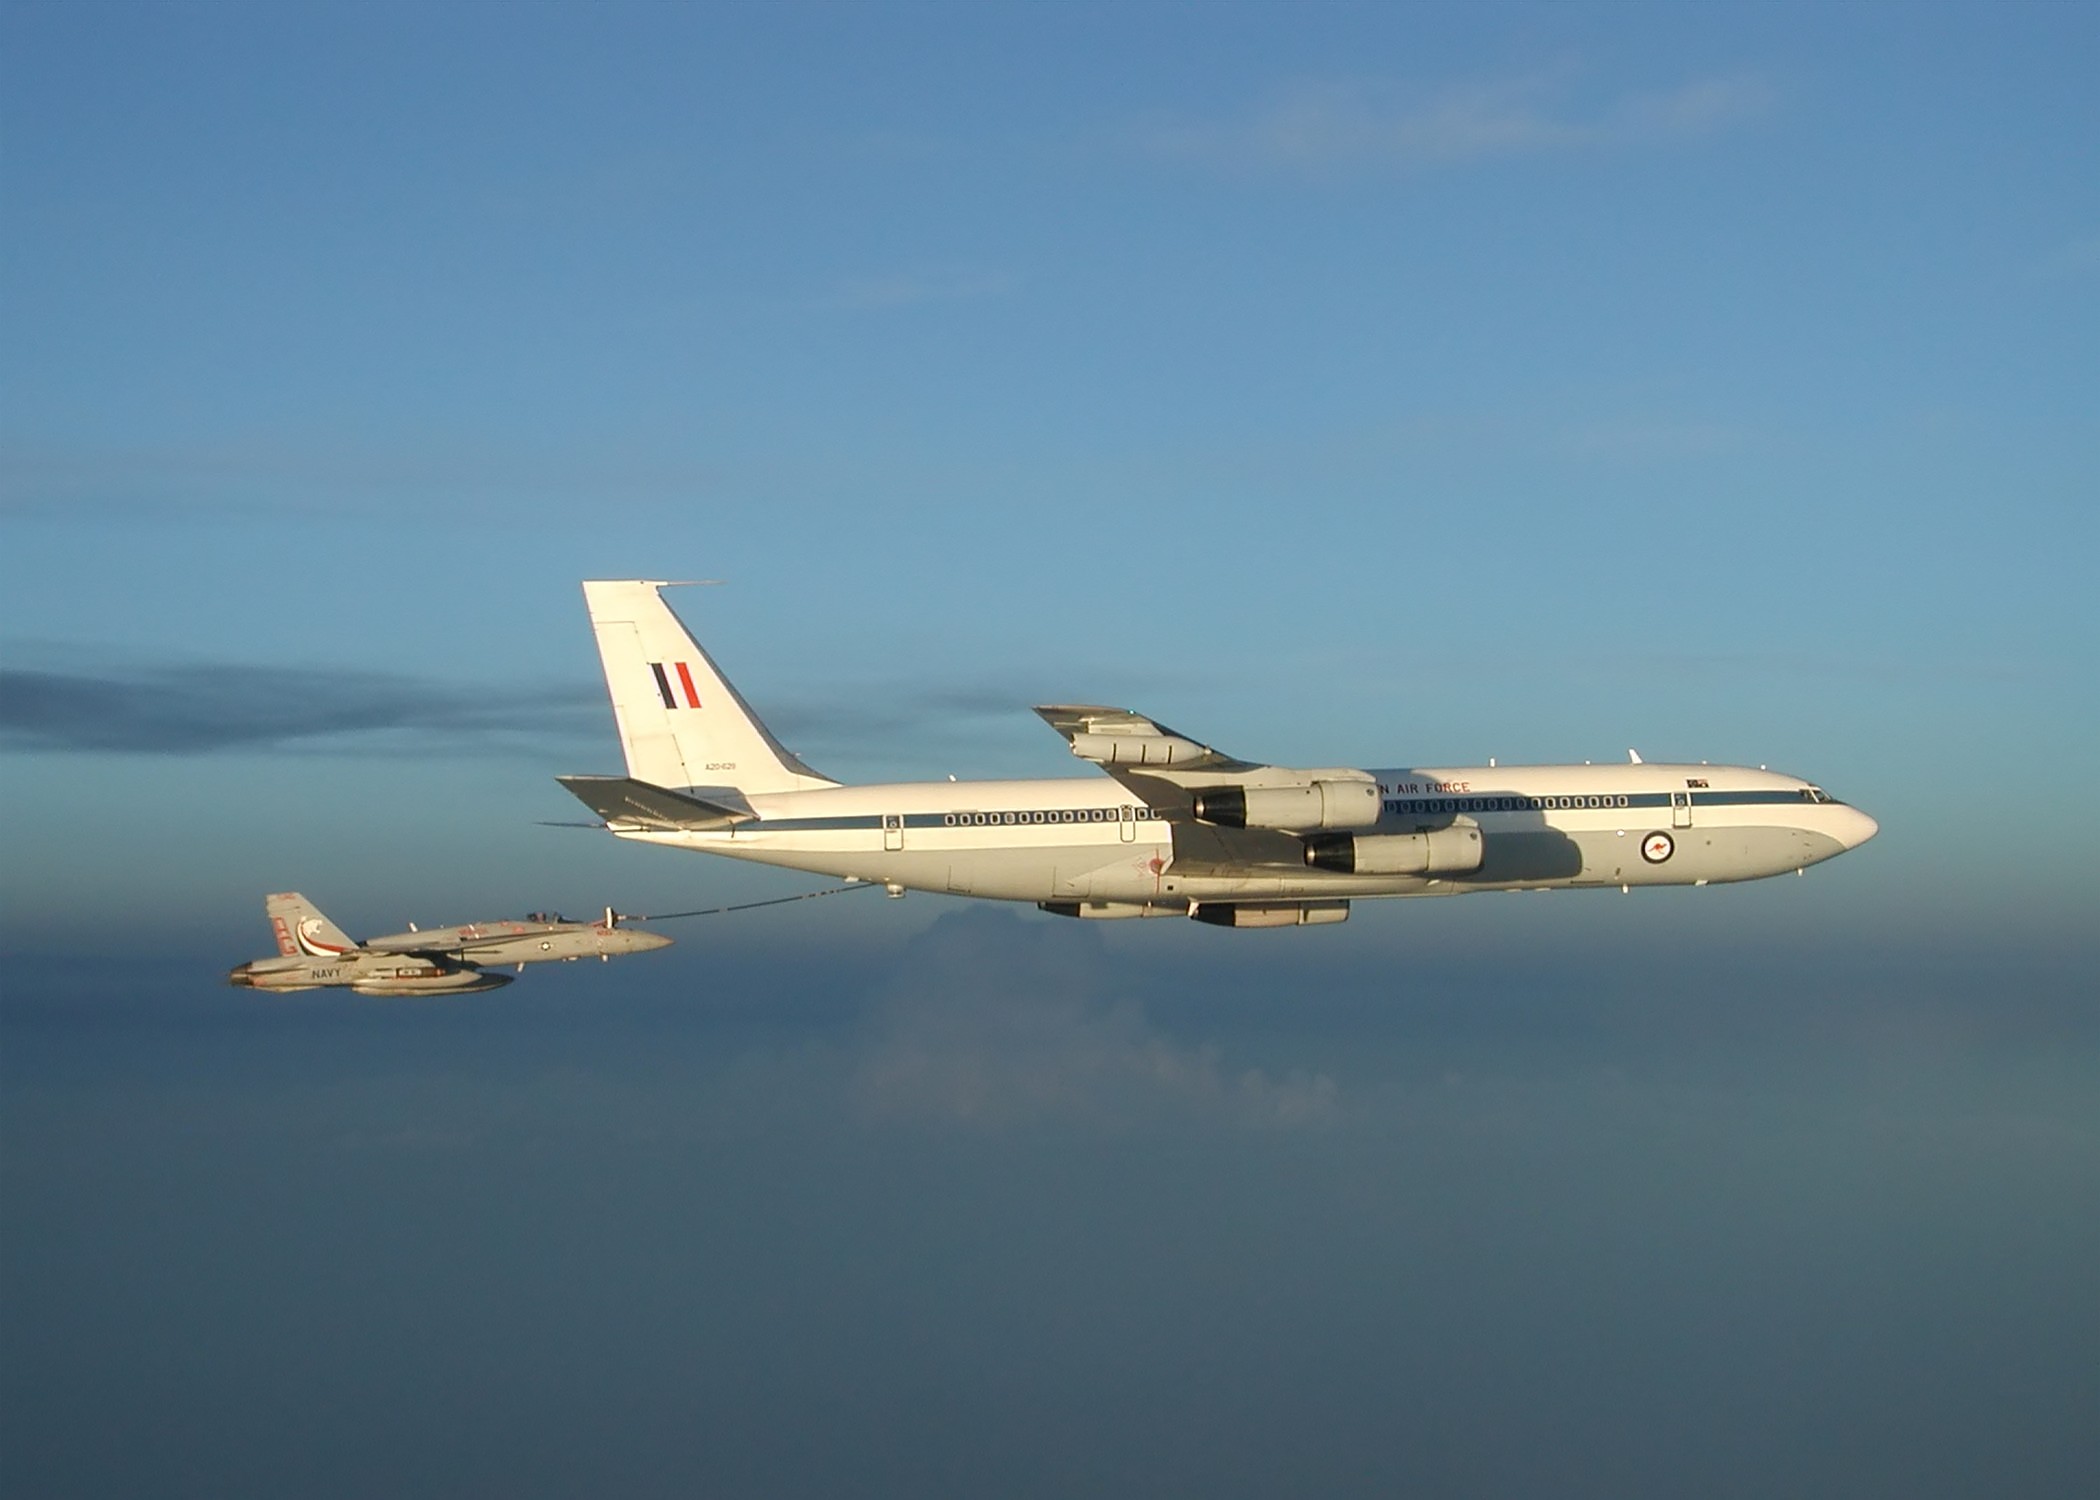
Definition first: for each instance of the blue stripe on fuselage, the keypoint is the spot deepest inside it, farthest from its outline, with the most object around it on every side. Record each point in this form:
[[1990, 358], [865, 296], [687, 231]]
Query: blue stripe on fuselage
[[1393, 806]]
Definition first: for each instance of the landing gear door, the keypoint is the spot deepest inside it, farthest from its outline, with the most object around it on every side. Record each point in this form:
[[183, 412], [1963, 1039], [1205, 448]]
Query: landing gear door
[[893, 830], [1680, 809]]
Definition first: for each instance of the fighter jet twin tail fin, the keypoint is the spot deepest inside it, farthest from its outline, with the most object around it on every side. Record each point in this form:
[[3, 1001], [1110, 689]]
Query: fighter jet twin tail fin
[[302, 932]]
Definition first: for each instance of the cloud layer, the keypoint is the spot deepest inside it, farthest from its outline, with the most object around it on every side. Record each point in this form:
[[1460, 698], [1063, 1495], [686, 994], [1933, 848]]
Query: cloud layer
[[995, 1022], [979, 1213], [201, 708]]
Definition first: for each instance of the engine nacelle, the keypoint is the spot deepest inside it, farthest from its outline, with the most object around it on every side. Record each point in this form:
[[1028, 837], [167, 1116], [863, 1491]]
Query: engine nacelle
[[1297, 914], [1105, 911], [1137, 749], [1291, 809], [1457, 850]]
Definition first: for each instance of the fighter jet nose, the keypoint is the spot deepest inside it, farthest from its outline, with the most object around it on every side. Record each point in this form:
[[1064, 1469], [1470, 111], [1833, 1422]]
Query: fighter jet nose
[[242, 975], [616, 942], [1856, 828]]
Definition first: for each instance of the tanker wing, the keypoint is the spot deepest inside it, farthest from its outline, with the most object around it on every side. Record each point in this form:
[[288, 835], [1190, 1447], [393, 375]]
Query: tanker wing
[[1143, 754]]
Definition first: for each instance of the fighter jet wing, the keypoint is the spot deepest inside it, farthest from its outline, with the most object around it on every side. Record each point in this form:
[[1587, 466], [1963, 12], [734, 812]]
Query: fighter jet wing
[[450, 942], [1143, 754], [640, 804]]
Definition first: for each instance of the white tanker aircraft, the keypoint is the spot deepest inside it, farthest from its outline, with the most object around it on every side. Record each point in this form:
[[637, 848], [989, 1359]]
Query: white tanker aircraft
[[1175, 827]]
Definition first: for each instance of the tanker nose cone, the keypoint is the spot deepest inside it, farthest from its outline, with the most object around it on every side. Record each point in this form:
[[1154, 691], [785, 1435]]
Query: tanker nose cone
[[1855, 827]]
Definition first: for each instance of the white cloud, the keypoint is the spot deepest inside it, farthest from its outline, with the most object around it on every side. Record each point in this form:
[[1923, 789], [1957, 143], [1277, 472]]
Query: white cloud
[[1322, 127]]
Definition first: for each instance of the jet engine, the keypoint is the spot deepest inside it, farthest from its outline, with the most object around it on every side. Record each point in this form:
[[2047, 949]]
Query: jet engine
[[1298, 914], [1112, 910], [1456, 850], [1293, 809]]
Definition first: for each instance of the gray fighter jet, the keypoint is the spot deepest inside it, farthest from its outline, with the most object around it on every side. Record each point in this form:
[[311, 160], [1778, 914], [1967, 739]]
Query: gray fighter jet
[[313, 953]]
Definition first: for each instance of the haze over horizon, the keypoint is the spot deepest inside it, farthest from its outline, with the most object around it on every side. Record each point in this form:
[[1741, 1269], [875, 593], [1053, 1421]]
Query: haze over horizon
[[1386, 386]]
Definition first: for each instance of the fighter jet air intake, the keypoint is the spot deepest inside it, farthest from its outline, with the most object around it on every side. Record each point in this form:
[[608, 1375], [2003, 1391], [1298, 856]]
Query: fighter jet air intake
[[1174, 827]]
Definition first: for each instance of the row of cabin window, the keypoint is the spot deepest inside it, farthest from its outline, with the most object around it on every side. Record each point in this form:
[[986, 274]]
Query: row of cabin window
[[1062, 815], [1499, 804]]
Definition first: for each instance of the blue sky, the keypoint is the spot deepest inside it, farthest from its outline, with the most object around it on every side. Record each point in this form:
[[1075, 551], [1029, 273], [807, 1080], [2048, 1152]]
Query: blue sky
[[1375, 384], [1368, 384]]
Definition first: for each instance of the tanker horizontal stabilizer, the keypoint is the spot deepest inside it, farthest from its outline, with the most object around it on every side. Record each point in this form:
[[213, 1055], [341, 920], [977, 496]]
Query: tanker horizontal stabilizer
[[627, 802]]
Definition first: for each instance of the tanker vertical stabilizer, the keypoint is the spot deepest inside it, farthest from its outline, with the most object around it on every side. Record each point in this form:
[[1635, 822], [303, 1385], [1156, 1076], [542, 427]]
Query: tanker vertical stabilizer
[[681, 724]]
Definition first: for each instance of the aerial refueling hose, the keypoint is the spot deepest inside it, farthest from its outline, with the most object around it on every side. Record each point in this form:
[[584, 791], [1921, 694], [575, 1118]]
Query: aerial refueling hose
[[715, 911]]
